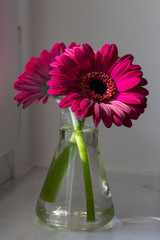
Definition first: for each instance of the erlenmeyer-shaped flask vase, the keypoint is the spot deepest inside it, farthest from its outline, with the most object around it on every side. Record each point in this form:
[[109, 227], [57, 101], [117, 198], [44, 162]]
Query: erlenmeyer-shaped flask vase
[[75, 194]]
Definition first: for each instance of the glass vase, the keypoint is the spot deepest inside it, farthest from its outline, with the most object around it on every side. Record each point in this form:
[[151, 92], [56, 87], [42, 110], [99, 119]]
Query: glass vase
[[75, 194]]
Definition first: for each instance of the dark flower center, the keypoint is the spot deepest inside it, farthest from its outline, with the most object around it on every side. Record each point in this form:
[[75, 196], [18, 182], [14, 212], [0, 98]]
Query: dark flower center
[[98, 87]]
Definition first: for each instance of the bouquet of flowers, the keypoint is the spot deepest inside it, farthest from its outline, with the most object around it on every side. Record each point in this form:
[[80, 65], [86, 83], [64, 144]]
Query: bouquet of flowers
[[97, 84]]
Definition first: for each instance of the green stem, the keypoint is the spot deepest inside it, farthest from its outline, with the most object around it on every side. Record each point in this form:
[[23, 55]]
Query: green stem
[[58, 169], [86, 168]]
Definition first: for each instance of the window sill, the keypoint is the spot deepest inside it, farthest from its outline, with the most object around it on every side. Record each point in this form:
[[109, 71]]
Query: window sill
[[136, 200]]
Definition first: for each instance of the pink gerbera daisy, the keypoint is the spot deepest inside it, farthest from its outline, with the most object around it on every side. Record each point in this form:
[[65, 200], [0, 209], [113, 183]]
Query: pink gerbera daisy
[[32, 82], [99, 84]]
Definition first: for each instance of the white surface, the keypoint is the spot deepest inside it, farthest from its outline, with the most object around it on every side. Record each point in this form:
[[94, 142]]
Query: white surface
[[136, 201], [134, 27], [6, 167]]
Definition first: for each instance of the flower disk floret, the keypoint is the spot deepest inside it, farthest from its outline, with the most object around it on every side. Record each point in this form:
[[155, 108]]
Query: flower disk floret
[[99, 84]]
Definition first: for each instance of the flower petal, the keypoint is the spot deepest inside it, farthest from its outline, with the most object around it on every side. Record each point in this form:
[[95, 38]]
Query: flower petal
[[82, 61], [127, 122], [143, 82], [107, 121], [110, 56], [117, 120], [72, 45], [130, 74], [45, 100], [96, 120], [98, 62], [28, 100], [79, 114], [86, 103], [73, 96], [67, 72], [127, 84], [131, 98], [69, 62], [122, 106], [119, 69], [106, 108], [88, 51], [64, 103], [75, 105], [57, 49], [117, 111], [107, 115], [46, 56], [42, 67], [97, 111]]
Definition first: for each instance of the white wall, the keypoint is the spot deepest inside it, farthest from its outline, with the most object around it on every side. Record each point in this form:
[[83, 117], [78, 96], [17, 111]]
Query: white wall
[[135, 27], [8, 72], [15, 137], [22, 152]]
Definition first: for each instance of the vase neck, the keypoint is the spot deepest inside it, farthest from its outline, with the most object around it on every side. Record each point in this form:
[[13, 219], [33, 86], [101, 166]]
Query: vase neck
[[66, 120]]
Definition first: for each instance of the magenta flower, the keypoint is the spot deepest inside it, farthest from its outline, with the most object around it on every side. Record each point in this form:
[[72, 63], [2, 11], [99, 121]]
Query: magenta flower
[[32, 82], [99, 84]]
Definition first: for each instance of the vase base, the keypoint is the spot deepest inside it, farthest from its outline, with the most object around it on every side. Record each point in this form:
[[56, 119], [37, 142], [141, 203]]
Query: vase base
[[74, 220]]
